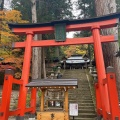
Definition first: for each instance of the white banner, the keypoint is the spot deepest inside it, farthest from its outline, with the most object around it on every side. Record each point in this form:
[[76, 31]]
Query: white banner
[[73, 109]]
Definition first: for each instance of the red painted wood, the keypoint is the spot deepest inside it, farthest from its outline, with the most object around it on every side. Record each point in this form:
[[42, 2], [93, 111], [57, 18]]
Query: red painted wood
[[6, 96], [33, 99], [98, 100], [113, 96], [25, 74], [72, 27], [28, 109], [15, 81], [14, 113], [69, 41], [96, 39], [100, 67]]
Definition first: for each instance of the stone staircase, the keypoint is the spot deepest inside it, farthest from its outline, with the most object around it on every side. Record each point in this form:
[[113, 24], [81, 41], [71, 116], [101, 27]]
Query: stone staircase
[[81, 95]]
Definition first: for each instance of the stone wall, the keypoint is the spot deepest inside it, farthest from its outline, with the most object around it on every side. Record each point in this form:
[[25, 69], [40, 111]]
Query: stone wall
[[14, 100]]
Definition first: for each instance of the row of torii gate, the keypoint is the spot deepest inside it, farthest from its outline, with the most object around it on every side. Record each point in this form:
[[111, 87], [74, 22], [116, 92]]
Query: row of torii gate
[[106, 92]]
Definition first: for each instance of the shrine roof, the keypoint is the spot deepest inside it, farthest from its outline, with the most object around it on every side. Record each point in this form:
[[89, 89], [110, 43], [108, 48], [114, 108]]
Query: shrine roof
[[67, 22], [53, 82]]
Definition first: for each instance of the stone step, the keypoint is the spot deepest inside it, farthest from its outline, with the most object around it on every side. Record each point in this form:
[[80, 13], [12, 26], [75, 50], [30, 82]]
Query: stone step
[[86, 111], [82, 101], [86, 115], [86, 104], [83, 80], [81, 98], [83, 88], [86, 107], [83, 84], [77, 101], [83, 104], [76, 118], [83, 91], [80, 90], [81, 95]]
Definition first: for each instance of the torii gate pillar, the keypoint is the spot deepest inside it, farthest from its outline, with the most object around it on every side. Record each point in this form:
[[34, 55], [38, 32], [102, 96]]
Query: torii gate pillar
[[106, 106]]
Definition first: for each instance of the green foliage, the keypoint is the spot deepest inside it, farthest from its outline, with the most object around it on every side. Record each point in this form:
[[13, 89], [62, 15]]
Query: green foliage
[[7, 38], [24, 7], [118, 10], [50, 53], [75, 50], [47, 10], [118, 5], [87, 8], [54, 68], [89, 50], [28, 100], [39, 93], [83, 34]]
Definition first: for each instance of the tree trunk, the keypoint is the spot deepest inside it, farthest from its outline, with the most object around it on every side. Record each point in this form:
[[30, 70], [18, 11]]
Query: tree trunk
[[1, 4], [36, 53], [57, 52], [104, 7], [1, 9], [43, 61]]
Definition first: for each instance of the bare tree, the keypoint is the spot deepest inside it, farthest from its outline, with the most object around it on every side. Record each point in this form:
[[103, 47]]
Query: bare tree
[[104, 7], [1, 4], [38, 58], [1, 8], [36, 54], [43, 63]]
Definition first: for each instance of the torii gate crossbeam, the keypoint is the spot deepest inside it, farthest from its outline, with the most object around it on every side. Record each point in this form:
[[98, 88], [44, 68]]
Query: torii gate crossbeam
[[106, 106]]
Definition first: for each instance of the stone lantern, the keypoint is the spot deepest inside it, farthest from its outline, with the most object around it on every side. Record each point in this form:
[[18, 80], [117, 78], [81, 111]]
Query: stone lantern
[[85, 59]]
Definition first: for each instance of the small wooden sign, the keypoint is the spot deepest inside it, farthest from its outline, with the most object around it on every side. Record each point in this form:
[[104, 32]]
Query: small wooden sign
[[60, 32], [73, 109]]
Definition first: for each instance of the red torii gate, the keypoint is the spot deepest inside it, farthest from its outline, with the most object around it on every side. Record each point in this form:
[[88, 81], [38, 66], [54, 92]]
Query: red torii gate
[[106, 92]]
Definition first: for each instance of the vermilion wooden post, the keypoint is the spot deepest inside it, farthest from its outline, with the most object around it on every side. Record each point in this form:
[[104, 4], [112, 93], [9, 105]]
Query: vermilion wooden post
[[33, 101], [102, 92], [6, 94], [100, 69], [98, 99], [113, 95], [25, 76]]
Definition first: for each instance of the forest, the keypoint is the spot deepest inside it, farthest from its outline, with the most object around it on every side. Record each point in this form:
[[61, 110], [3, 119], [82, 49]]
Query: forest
[[41, 11]]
